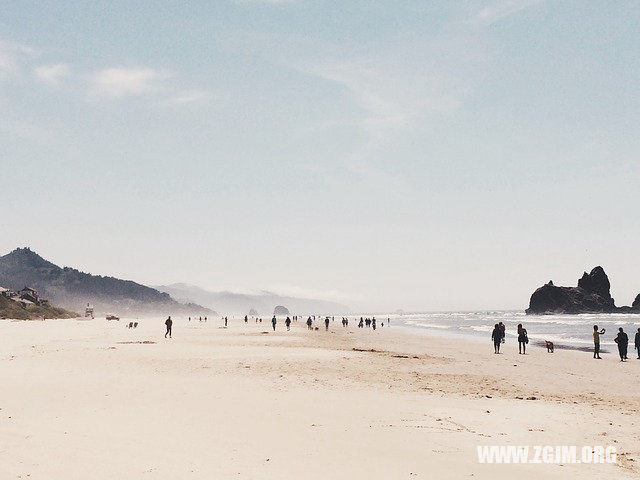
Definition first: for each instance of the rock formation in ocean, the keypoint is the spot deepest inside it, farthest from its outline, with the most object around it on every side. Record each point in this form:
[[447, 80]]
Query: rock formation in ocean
[[280, 310], [592, 295]]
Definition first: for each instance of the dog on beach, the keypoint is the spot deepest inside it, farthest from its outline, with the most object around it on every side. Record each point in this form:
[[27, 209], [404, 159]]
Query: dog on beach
[[549, 346]]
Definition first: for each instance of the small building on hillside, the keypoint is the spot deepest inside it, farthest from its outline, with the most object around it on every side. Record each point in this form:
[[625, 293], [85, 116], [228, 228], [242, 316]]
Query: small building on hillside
[[30, 294], [5, 292]]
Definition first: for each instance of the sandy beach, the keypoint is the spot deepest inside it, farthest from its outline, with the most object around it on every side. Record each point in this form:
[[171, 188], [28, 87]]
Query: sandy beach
[[88, 399]]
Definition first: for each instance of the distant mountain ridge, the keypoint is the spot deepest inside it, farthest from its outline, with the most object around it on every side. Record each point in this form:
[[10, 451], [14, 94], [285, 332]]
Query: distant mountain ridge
[[73, 289], [228, 303]]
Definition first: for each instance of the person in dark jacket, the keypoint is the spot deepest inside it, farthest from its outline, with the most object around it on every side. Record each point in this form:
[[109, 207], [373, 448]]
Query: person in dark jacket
[[168, 322], [623, 341], [496, 336], [522, 339], [287, 323], [273, 323], [638, 343]]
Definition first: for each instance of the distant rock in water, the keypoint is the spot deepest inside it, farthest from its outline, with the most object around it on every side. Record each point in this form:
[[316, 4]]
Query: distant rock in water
[[280, 310], [592, 295], [253, 312]]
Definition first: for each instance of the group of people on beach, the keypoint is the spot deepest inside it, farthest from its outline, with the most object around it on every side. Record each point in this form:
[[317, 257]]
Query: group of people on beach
[[622, 340], [369, 322], [500, 332]]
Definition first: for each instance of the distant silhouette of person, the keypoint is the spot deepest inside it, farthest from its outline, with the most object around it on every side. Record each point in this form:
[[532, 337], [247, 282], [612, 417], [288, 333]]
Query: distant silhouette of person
[[361, 323], [205, 319], [623, 342], [638, 343], [168, 322], [596, 341], [245, 319], [326, 324], [273, 323], [496, 336], [503, 329], [287, 323], [225, 321], [522, 339], [309, 323], [189, 318], [200, 319]]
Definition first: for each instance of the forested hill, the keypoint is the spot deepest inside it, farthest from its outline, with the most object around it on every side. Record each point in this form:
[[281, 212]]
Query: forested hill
[[73, 289]]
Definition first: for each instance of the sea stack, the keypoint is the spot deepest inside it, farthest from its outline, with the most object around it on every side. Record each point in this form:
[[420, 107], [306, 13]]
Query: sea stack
[[592, 295], [280, 310]]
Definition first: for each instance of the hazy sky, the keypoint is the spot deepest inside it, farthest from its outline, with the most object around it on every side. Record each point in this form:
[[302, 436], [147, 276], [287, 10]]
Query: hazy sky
[[420, 155]]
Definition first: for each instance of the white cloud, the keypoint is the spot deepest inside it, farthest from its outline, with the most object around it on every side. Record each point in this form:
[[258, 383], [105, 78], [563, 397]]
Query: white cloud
[[390, 99], [11, 55], [499, 10], [121, 81], [52, 74], [189, 97]]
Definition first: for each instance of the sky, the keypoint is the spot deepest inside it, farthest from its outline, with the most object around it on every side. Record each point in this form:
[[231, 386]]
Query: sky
[[441, 155]]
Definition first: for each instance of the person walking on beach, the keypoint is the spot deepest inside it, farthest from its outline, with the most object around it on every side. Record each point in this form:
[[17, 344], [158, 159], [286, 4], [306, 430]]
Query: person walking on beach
[[373, 323], [273, 323], [287, 322], [168, 322], [225, 321], [496, 336], [523, 339], [638, 343], [596, 341], [309, 322], [326, 324], [503, 330], [623, 342]]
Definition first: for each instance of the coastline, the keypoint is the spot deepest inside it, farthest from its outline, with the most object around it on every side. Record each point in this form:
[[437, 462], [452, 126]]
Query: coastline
[[348, 403]]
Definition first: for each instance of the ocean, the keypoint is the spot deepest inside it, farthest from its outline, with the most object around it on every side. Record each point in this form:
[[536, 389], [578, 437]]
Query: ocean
[[568, 331]]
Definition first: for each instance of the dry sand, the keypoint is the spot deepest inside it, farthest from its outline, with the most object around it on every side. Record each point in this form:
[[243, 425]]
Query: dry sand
[[88, 400]]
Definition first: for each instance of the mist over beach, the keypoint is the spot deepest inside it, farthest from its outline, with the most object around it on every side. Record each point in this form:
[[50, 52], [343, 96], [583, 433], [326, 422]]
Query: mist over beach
[[283, 239]]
